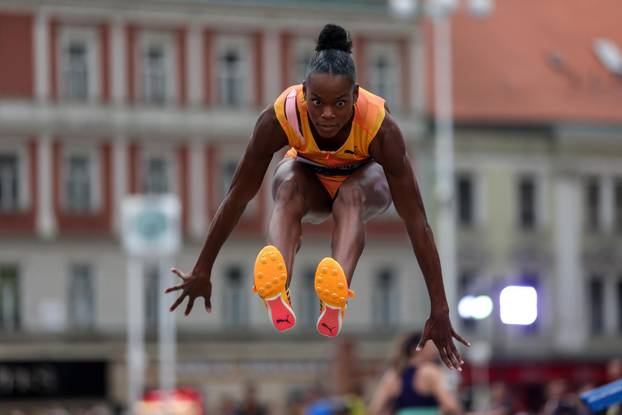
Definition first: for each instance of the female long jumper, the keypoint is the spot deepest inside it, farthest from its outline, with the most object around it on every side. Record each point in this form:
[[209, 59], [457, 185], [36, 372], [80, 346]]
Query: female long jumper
[[347, 158]]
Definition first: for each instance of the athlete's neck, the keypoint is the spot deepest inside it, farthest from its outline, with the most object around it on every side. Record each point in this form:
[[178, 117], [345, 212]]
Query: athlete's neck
[[332, 143]]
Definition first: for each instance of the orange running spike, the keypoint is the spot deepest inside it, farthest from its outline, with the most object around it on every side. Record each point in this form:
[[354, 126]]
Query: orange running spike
[[270, 279], [331, 287]]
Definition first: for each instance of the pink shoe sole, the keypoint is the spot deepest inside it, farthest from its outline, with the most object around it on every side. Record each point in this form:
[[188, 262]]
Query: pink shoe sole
[[281, 315], [329, 323]]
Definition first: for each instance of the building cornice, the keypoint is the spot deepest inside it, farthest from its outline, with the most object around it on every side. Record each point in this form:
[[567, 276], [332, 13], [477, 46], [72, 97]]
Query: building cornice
[[265, 15], [174, 123]]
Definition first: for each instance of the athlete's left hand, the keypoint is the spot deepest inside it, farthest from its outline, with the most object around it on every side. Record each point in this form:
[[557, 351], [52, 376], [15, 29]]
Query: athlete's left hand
[[438, 329]]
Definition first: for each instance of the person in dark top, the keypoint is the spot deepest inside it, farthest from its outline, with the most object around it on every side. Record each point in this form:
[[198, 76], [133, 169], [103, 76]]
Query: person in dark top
[[414, 384], [251, 405]]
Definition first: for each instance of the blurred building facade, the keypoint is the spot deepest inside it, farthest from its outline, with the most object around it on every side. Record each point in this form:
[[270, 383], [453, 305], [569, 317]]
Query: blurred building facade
[[101, 99]]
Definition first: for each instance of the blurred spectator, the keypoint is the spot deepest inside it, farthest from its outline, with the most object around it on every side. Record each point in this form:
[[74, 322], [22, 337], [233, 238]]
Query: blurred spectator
[[354, 401], [582, 408], [99, 410], [414, 382], [227, 406], [317, 402], [340, 407], [561, 400], [295, 402], [250, 404], [614, 369], [500, 399], [554, 391], [565, 408], [614, 372]]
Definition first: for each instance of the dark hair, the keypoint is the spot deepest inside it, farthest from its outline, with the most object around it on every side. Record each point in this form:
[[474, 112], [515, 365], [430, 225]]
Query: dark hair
[[406, 346], [333, 53]]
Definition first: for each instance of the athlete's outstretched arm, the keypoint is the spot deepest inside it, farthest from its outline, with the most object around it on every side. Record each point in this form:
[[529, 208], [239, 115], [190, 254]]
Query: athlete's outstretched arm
[[267, 138], [389, 150]]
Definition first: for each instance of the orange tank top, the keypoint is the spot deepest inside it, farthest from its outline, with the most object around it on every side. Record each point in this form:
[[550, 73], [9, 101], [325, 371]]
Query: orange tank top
[[369, 113]]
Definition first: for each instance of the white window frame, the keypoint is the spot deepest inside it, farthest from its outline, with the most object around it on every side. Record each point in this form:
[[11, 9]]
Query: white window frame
[[152, 287], [606, 172], [17, 147], [478, 196], [618, 305], [88, 35], [299, 47], [539, 203], [168, 154], [169, 47], [474, 207], [394, 293], [92, 154], [390, 51], [307, 300], [585, 182], [76, 324], [244, 312], [242, 45], [18, 298], [602, 279], [616, 225]]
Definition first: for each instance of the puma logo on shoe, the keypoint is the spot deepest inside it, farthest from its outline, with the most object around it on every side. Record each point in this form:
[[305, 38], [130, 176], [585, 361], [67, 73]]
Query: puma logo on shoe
[[329, 328], [283, 320]]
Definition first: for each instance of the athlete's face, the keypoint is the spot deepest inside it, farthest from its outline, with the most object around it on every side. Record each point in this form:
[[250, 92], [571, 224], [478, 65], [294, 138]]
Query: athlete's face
[[330, 102]]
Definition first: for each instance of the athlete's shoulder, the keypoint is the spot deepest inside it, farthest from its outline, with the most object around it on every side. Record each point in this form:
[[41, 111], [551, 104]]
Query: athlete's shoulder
[[268, 136], [287, 91], [268, 119], [279, 103], [389, 132], [389, 125], [369, 95]]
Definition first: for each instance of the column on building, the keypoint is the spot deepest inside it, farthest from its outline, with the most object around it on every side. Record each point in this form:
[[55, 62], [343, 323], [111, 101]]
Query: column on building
[[46, 223], [194, 65], [272, 71], [120, 173], [41, 57], [119, 98], [571, 328], [198, 177], [117, 62], [607, 203], [610, 307], [418, 77]]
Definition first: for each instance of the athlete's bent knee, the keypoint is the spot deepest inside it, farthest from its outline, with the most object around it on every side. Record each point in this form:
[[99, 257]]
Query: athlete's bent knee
[[382, 194], [349, 197], [289, 193]]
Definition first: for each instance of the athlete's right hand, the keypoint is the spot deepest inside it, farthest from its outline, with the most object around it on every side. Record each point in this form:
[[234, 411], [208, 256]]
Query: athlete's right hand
[[196, 284]]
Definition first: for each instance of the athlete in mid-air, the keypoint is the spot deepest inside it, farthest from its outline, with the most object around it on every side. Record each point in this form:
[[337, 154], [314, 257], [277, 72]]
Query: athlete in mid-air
[[347, 159]]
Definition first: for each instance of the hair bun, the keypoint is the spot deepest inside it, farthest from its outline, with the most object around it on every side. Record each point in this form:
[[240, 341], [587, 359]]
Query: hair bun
[[334, 37]]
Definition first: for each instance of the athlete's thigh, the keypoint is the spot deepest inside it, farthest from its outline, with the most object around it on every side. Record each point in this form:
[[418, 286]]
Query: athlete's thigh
[[316, 198], [372, 181]]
